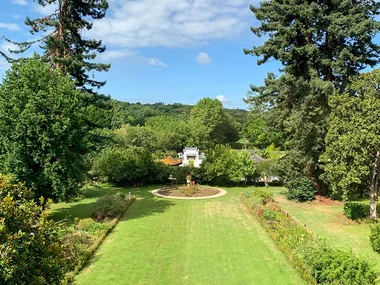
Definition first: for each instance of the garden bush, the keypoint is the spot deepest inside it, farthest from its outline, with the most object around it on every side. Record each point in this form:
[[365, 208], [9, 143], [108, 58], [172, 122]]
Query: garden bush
[[301, 189], [316, 262], [263, 195], [90, 226], [30, 249], [354, 211], [374, 238], [108, 207], [120, 195]]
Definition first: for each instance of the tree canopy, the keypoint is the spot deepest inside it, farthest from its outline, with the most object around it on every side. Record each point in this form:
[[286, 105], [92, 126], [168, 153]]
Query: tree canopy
[[42, 131], [321, 45], [353, 136]]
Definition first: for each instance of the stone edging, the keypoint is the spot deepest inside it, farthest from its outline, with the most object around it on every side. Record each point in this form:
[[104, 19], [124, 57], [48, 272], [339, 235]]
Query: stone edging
[[221, 193]]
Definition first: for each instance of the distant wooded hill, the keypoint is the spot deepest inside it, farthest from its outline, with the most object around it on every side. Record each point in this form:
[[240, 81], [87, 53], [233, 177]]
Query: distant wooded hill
[[109, 113]]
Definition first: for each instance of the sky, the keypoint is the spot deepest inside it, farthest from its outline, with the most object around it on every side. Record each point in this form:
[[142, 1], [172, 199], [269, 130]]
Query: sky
[[171, 51]]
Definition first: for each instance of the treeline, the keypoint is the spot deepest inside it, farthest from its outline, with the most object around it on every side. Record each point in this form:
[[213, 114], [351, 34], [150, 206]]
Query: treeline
[[110, 113]]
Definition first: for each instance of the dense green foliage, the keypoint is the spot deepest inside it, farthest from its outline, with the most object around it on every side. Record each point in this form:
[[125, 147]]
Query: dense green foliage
[[109, 206], [130, 165], [30, 250], [374, 238], [260, 134], [63, 43], [301, 189], [42, 131], [354, 211], [353, 136], [316, 261], [210, 124], [321, 45], [224, 165]]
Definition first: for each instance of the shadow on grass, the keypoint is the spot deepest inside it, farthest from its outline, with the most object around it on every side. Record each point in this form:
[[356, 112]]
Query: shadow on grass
[[82, 208]]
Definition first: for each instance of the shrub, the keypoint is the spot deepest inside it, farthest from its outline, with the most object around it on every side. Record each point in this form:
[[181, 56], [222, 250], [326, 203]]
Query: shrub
[[333, 266], [374, 238], [263, 195], [108, 207], [120, 195], [314, 260], [119, 165], [30, 249], [161, 173], [354, 210], [189, 190], [90, 226], [301, 189]]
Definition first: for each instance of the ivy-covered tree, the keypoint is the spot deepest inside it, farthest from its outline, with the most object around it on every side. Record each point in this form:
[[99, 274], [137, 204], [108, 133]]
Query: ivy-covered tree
[[42, 131], [63, 42], [321, 45], [31, 252], [353, 139]]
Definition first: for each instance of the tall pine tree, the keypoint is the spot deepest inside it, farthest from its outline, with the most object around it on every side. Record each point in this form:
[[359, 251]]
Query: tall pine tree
[[320, 44], [62, 41]]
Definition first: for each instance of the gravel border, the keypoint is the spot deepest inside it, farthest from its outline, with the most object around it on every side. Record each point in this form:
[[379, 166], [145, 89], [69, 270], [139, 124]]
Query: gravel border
[[221, 193]]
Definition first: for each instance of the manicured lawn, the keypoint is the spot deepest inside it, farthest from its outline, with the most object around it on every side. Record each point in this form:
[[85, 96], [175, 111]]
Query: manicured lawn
[[166, 241], [328, 222]]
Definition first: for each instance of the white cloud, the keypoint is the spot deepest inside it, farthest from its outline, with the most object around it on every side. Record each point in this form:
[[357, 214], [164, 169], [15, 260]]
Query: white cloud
[[171, 23], [222, 98], [110, 55], [203, 58], [10, 26], [156, 61], [20, 2]]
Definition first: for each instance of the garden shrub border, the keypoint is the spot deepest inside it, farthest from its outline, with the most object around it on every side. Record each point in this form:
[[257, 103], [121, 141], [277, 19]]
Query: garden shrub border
[[89, 251], [308, 243]]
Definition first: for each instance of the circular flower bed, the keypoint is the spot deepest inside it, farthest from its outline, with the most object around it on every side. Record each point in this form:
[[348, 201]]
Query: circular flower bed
[[189, 192]]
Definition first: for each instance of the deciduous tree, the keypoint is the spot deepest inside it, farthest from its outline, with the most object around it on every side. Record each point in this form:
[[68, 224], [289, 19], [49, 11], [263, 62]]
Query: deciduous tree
[[353, 139], [42, 131]]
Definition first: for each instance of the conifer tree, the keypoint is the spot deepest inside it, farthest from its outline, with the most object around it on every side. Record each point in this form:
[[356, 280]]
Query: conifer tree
[[321, 44], [63, 43]]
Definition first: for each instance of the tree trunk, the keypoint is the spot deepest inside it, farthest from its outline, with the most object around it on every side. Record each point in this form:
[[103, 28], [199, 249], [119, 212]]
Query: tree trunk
[[373, 194]]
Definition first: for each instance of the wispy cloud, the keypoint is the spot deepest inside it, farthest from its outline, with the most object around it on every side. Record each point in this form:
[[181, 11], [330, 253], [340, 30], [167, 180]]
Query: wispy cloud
[[156, 61], [9, 26], [203, 58], [20, 2], [110, 55], [222, 98]]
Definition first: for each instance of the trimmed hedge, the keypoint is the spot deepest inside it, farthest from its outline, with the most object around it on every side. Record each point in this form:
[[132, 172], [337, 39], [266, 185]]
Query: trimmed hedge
[[354, 211], [313, 259], [301, 189], [374, 238]]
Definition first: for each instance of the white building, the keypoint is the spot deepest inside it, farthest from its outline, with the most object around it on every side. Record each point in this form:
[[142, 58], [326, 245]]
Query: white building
[[191, 157]]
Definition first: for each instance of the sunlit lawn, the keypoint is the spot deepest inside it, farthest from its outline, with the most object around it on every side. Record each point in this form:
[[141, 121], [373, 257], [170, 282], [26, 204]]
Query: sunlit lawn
[[166, 241], [329, 223]]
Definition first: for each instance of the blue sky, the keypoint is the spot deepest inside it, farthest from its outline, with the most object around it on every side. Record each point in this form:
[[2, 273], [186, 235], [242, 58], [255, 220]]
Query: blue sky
[[166, 51]]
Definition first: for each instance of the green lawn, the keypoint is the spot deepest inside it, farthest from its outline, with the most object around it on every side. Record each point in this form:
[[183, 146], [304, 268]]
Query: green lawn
[[328, 222], [166, 241]]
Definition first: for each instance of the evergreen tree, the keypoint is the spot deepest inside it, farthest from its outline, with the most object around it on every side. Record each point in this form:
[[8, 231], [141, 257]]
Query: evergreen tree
[[63, 44], [320, 44]]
